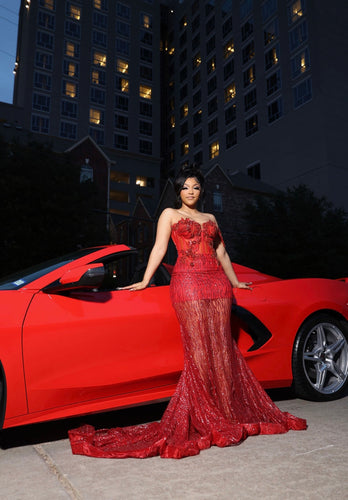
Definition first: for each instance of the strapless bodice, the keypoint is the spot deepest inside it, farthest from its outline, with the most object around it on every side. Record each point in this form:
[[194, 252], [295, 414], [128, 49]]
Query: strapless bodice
[[196, 244]]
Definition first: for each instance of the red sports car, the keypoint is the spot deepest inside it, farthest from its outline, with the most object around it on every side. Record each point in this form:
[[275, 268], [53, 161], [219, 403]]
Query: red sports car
[[73, 343]]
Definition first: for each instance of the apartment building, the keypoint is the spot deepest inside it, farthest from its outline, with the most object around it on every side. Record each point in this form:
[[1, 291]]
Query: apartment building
[[91, 68], [258, 86]]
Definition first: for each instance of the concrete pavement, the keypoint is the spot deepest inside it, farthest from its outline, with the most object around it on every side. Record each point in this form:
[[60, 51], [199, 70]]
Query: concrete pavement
[[311, 464]]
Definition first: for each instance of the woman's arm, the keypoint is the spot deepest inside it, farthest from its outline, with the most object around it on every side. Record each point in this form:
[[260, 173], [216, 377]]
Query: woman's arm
[[158, 251]]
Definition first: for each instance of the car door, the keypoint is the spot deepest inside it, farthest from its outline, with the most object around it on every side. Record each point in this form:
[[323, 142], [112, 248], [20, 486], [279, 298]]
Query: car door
[[84, 346]]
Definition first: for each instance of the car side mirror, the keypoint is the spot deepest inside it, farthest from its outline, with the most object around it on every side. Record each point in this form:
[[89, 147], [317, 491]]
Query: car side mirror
[[85, 277]]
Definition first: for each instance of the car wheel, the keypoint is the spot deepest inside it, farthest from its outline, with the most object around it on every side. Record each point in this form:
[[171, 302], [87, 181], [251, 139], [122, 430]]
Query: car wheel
[[320, 359]]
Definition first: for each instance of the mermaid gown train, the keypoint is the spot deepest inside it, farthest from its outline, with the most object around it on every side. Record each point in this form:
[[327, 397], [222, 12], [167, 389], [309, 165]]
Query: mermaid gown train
[[218, 401]]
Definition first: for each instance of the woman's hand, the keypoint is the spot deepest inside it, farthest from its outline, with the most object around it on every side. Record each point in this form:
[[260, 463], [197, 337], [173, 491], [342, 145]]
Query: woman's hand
[[135, 287], [244, 285]]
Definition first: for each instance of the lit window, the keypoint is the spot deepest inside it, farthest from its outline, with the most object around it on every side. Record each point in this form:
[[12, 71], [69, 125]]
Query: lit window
[[249, 76], [300, 63], [196, 61], [230, 92], [99, 59], [97, 4], [295, 11], [95, 77], [272, 57], [70, 49], [184, 110], [71, 69], [74, 12], [98, 77], [145, 92], [122, 66], [146, 21], [172, 121], [183, 22], [70, 89], [121, 177], [229, 49], [95, 116], [144, 181], [211, 65], [185, 148], [122, 84], [214, 150]]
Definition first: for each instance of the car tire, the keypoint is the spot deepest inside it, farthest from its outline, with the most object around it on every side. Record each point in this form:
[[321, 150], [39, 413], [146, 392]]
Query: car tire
[[320, 359]]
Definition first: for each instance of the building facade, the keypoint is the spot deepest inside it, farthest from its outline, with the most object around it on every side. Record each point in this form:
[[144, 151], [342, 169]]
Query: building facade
[[91, 68], [257, 86], [254, 86]]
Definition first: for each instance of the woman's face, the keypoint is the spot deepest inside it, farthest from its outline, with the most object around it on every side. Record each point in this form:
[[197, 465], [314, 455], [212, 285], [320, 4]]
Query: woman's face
[[190, 192]]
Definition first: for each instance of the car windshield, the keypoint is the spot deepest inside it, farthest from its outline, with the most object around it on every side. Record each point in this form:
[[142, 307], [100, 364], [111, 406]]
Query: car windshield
[[21, 278]]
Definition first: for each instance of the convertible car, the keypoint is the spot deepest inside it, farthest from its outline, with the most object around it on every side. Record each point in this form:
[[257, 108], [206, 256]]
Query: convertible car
[[73, 342]]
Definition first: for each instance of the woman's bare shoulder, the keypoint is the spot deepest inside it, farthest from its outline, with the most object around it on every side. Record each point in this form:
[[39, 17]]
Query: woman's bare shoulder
[[168, 215], [168, 212]]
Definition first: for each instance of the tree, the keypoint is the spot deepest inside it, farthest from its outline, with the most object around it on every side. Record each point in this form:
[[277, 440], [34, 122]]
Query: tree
[[295, 234], [46, 211]]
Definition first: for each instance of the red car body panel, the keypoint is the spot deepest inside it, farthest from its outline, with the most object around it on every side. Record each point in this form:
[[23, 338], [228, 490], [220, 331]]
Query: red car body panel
[[64, 355]]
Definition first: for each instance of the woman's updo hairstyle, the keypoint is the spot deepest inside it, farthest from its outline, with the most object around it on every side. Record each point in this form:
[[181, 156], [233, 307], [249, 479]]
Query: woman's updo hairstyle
[[187, 172]]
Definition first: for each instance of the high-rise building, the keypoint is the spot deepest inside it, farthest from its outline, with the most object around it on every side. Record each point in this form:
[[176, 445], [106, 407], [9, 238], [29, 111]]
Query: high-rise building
[[91, 68], [259, 86], [255, 86]]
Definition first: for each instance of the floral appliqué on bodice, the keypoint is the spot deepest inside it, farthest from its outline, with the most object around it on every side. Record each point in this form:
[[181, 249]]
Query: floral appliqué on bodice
[[194, 240]]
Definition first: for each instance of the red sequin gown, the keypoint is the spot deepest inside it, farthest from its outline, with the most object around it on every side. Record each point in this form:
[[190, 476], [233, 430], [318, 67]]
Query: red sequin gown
[[218, 401]]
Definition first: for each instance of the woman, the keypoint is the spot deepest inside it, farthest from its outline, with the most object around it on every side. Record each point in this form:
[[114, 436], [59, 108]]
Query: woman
[[218, 401]]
